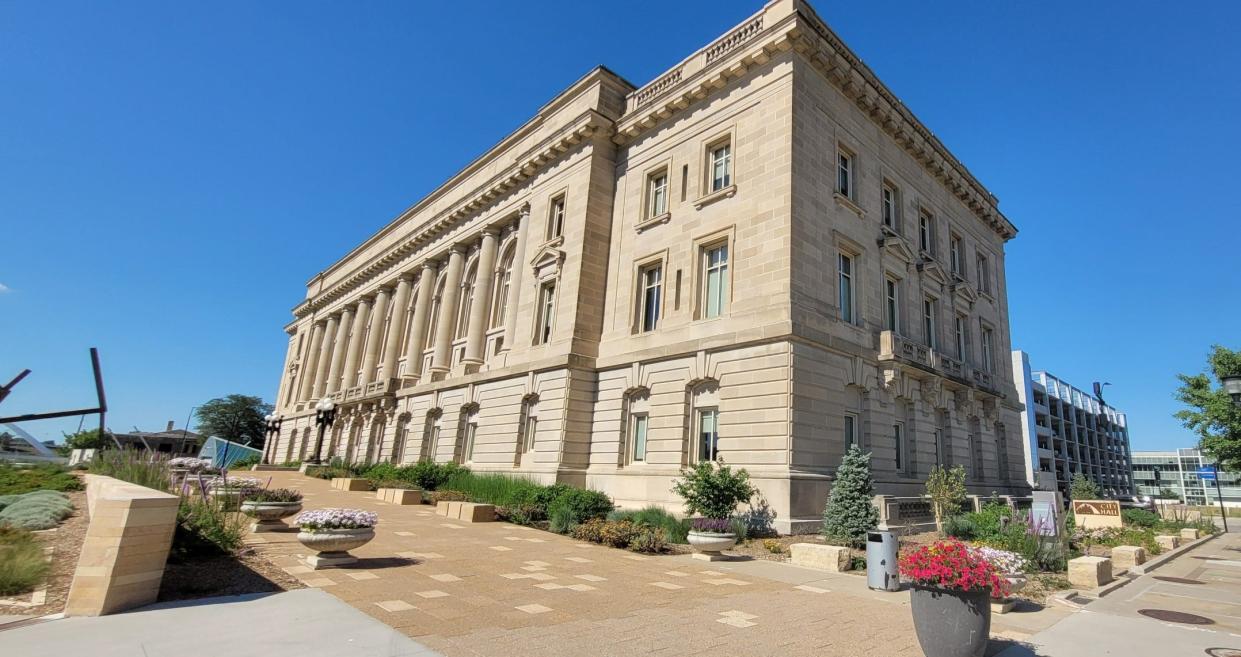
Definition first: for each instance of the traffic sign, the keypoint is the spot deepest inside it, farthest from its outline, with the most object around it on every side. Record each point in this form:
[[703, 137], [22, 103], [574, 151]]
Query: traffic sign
[[1207, 472]]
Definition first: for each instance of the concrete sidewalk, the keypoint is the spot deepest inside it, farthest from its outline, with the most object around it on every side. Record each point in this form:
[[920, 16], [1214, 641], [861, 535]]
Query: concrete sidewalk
[[306, 623]]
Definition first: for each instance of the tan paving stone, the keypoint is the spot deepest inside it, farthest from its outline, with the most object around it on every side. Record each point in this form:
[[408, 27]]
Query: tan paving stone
[[534, 609], [592, 578], [581, 587], [318, 582], [549, 586], [431, 594], [445, 577], [403, 533], [579, 560], [363, 575], [394, 605], [811, 589], [676, 573], [500, 548], [667, 585]]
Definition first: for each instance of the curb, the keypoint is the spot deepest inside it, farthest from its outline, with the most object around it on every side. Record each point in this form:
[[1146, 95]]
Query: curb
[[1169, 556], [1079, 598]]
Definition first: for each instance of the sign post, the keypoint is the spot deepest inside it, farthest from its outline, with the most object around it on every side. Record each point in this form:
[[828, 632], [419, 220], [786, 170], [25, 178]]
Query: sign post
[[1211, 473]]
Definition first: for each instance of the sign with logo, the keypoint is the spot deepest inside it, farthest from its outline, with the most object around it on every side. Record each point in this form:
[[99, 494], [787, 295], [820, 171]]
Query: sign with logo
[[1206, 473], [1092, 514]]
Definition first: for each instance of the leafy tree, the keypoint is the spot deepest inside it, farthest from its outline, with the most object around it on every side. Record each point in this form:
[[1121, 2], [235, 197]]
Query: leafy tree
[[239, 418], [947, 490], [850, 510], [1168, 494], [1083, 488], [713, 490], [88, 439], [1211, 413]]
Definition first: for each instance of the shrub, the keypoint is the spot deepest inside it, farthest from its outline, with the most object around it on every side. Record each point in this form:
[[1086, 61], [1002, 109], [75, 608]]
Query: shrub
[[675, 530], [134, 466], [960, 526], [850, 512], [713, 490], [446, 496], [205, 526], [36, 510], [581, 504], [773, 546], [1083, 488], [1140, 517], [946, 488], [591, 530], [384, 472], [429, 475], [617, 534], [16, 480], [22, 562], [276, 495], [646, 538]]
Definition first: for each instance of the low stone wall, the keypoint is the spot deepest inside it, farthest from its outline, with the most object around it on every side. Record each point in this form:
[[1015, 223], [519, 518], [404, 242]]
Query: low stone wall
[[126, 545]]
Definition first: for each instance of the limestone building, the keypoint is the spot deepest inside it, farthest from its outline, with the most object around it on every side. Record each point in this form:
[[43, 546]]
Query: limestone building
[[761, 255]]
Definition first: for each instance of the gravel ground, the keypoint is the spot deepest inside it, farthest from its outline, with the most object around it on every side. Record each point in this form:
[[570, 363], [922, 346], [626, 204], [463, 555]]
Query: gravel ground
[[224, 575], [66, 543]]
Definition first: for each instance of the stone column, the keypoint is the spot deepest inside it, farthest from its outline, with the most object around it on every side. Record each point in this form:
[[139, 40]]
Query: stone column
[[416, 341], [476, 337], [310, 367], [325, 358], [354, 351], [392, 346], [514, 285], [338, 350], [374, 337], [441, 361]]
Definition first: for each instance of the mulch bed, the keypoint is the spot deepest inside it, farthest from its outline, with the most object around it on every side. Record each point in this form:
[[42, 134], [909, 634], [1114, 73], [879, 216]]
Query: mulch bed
[[219, 575], [66, 543]]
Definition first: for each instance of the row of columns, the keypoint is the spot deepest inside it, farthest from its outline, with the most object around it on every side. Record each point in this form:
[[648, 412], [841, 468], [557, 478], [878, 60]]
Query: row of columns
[[351, 340]]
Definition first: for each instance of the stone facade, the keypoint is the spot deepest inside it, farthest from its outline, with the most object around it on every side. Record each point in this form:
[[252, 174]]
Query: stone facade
[[638, 278]]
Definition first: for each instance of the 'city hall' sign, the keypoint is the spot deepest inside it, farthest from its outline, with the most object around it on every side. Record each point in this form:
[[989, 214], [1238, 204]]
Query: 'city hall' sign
[[1097, 513]]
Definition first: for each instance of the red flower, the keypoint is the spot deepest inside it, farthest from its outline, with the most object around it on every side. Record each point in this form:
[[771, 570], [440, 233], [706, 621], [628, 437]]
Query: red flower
[[953, 565]]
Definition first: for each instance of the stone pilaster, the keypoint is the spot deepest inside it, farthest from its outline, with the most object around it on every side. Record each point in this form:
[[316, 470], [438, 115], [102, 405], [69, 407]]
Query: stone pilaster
[[418, 327], [476, 338], [354, 351], [392, 346], [339, 347], [374, 337], [514, 285], [310, 368], [441, 361]]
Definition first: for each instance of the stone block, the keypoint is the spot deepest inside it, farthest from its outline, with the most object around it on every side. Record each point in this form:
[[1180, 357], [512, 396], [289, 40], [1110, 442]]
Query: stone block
[[1168, 541], [1189, 534], [475, 512], [1125, 557], [351, 483], [330, 560], [832, 558], [448, 509], [1087, 573], [399, 496]]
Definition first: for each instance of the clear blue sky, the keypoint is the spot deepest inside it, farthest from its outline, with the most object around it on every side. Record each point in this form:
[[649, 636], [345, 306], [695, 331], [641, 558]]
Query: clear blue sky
[[172, 173]]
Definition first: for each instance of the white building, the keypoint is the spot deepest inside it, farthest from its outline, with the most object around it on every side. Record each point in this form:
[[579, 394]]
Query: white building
[[1179, 471], [1068, 430]]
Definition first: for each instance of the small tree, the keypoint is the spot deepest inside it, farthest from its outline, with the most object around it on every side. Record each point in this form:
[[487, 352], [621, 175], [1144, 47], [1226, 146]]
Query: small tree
[[89, 439], [713, 490], [1083, 488], [239, 418], [947, 490], [1211, 413], [850, 510]]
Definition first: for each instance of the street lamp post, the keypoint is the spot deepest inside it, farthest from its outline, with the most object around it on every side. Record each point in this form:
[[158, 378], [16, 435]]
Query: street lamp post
[[325, 415], [273, 429]]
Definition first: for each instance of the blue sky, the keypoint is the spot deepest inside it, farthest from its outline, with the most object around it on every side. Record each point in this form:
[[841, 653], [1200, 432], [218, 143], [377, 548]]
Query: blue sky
[[172, 173]]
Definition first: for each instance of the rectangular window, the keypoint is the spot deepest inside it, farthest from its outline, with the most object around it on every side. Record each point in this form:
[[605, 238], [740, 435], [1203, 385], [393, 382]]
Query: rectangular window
[[639, 437], [988, 364], [926, 232], [708, 433], [844, 267], [961, 333], [844, 172], [715, 280], [555, 218], [470, 430], [939, 447], [892, 300], [954, 254], [850, 428], [547, 312], [928, 322], [898, 432], [721, 166], [984, 273], [651, 293], [891, 206], [657, 194]]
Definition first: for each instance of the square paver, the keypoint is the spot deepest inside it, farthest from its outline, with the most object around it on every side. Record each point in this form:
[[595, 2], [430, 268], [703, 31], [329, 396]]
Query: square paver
[[542, 577], [811, 589], [676, 573], [581, 587], [500, 548], [734, 613], [723, 581], [667, 585], [298, 570], [713, 573], [431, 594], [515, 575], [579, 559], [445, 577], [533, 569], [543, 564], [403, 533], [394, 605], [592, 578], [318, 582], [548, 586], [534, 609], [735, 622], [363, 575]]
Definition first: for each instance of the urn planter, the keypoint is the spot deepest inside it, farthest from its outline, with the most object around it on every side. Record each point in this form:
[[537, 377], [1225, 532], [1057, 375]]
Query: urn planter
[[269, 516], [951, 622], [333, 545], [229, 496], [708, 545]]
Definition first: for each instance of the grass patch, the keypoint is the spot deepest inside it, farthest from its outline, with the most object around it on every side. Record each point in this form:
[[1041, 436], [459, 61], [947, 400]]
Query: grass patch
[[16, 480], [675, 529], [22, 563]]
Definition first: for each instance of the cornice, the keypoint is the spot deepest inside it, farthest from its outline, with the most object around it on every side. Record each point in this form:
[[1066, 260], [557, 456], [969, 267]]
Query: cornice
[[588, 125]]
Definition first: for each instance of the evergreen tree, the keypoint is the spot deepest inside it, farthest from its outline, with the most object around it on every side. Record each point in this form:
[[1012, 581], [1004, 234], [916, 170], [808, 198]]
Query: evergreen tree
[[1083, 488], [850, 511]]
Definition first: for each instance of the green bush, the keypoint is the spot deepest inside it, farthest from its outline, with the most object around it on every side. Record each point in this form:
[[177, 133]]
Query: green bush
[[430, 475], [646, 538], [621, 534], [960, 527], [36, 510], [22, 562], [850, 510], [560, 520], [1083, 488], [16, 480], [245, 462], [205, 526], [713, 490], [1140, 517], [582, 504], [675, 529], [497, 489]]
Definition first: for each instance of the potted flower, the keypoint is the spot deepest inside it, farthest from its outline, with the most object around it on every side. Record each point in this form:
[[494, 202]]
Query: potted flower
[[333, 532], [231, 490], [951, 587], [712, 491], [269, 507], [183, 466], [1010, 566]]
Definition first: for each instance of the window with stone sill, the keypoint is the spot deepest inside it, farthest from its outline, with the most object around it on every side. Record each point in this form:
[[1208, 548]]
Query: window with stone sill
[[500, 288], [892, 304], [529, 424], [850, 430], [983, 271], [954, 255], [714, 275], [929, 322], [845, 160], [898, 434], [891, 206], [650, 297], [926, 232], [961, 336], [845, 292], [555, 217], [546, 313], [656, 194], [988, 348], [720, 165]]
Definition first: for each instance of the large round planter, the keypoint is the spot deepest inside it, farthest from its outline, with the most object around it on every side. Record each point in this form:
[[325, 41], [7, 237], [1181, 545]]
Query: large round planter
[[711, 542], [229, 497], [269, 514], [951, 623], [332, 541]]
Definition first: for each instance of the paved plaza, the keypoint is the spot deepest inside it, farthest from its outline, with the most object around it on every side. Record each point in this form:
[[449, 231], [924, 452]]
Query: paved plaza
[[501, 589]]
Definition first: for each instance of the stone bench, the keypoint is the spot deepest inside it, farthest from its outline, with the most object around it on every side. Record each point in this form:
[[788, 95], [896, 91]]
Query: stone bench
[[400, 496], [832, 558], [1127, 557], [351, 483], [1189, 534], [1168, 541], [467, 511], [1086, 573]]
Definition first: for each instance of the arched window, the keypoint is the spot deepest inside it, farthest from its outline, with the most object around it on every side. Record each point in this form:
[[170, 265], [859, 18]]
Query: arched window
[[467, 301], [499, 291], [398, 440], [528, 430], [704, 422], [430, 435], [408, 334], [374, 441], [637, 425], [437, 301], [467, 431]]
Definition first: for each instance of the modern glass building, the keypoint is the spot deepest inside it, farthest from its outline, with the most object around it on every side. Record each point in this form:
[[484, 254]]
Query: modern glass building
[[1068, 430], [1179, 473]]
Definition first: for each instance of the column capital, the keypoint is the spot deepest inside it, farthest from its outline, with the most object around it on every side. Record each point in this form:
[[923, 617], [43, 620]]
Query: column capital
[[407, 276], [430, 266], [491, 231], [524, 210], [460, 249]]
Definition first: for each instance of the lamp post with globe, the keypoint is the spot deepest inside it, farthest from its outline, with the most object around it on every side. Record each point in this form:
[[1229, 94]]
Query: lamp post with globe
[[325, 415]]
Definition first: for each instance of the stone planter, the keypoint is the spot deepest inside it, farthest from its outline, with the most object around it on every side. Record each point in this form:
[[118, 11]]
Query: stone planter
[[230, 497], [269, 515], [708, 545], [951, 623], [333, 545], [1005, 605]]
